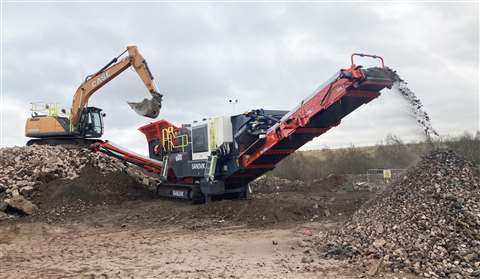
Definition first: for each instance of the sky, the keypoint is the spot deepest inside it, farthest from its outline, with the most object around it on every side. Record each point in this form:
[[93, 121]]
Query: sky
[[266, 55]]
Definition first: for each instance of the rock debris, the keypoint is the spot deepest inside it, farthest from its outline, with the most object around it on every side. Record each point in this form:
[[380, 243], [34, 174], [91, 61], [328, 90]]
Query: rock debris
[[428, 223]]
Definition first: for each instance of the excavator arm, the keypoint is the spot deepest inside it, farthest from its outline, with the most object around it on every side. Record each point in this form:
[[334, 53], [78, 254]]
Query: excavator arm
[[148, 108]]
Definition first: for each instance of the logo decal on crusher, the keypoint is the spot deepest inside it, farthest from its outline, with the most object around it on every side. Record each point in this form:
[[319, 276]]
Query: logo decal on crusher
[[198, 166]]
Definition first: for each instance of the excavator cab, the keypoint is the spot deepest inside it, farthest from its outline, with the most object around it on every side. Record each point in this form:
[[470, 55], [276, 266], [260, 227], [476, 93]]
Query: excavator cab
[[90, 124]]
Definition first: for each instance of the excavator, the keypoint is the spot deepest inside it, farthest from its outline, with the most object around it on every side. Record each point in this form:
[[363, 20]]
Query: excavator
[[84, 125]]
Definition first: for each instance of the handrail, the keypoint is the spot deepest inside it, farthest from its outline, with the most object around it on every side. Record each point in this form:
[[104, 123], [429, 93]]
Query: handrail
[[367, 55]]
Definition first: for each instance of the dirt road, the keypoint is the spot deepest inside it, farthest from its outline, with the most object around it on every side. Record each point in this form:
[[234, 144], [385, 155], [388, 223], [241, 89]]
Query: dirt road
[[39, 250]]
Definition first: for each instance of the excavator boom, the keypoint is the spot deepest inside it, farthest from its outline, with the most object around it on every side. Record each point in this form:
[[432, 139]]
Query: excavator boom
[[149, 108]]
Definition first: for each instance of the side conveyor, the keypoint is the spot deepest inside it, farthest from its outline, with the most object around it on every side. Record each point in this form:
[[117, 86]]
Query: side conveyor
[[131, 157]]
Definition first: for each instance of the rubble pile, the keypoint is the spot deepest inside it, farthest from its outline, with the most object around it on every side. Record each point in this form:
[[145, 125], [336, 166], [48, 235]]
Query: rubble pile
[[428, 223], [266, 184], [272, 184], [24, 169]]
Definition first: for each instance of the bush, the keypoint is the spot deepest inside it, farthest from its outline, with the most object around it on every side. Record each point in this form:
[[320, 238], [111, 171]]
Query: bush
[[466, 145], [299, 166], [393, 154]]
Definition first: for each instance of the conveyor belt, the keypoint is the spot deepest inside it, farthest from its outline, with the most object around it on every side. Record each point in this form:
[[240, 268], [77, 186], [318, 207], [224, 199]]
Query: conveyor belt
[[324, 109], [126, 155]]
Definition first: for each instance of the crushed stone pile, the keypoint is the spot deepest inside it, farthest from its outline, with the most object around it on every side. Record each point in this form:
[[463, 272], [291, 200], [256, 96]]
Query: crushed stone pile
[[23, 170], [427, 223], [271, 184]]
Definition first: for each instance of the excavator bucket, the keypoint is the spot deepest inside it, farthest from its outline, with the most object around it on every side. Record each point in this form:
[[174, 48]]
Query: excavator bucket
[[148, 108]]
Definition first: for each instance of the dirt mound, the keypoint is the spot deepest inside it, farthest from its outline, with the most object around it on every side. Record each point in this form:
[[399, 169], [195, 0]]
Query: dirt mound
[[61, 199], [261, 211], [91, 187], [272, 184], [30, 170], [427, 223], [281, 201]]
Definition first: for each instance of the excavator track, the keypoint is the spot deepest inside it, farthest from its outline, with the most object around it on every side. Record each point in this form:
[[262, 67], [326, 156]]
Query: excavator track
[[66, 142]]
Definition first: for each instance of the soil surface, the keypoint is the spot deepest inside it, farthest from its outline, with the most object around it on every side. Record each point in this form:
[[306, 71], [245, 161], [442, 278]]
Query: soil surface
[[118, 198], [109, 226], [39, 250]]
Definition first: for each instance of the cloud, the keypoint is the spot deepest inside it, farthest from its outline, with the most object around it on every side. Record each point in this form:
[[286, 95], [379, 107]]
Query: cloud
[[13, 124], [265, 55]]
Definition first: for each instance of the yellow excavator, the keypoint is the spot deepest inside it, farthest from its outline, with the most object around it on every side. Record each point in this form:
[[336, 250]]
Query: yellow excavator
[[50, 125]]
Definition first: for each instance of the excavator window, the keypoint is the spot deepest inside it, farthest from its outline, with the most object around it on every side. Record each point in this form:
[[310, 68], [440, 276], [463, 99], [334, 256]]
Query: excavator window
[[90, 124], [97, 123]]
